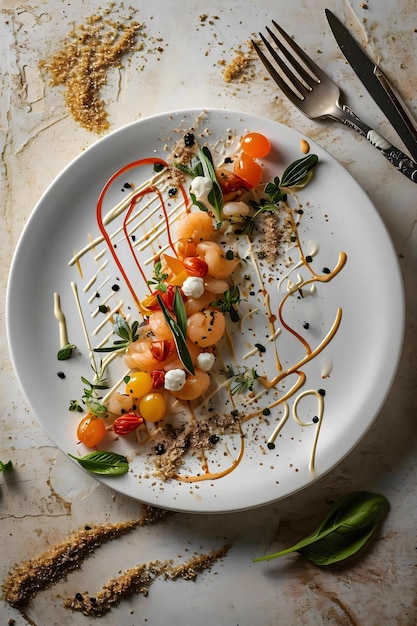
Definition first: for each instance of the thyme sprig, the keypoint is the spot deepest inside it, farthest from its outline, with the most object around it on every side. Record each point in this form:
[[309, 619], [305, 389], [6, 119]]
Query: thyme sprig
[[128, 334], [243, 379], [229, 302], [91, 398], [159, 277]]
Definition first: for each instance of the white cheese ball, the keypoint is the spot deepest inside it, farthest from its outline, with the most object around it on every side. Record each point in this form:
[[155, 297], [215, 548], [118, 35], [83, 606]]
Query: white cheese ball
[[201, 187], [205, 361], [175, 380], [193, 287]]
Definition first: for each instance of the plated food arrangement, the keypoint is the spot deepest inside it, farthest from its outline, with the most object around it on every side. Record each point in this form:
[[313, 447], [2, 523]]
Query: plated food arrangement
[[217, 343]]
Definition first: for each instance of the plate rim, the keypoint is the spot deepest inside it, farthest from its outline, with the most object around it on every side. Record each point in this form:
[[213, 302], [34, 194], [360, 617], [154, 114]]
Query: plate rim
[[224, 113]]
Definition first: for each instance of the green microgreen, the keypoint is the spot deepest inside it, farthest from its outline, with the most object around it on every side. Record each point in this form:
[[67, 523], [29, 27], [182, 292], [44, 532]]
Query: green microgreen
[[296, 176], [128, 334], [159, 277], [228, 302], [242, 380]]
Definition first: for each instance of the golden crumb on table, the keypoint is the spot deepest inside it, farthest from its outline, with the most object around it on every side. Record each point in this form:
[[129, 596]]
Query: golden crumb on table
[[238, 68], [81, 65], [30, 577]]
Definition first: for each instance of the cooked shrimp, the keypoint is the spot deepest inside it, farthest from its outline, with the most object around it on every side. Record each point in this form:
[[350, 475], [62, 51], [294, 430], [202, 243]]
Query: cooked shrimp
[[120, 403], [193, 305], [140, 357], [218, 265], [206, 328], [197, 226], [194, 387], [158, 325], [215, 285]]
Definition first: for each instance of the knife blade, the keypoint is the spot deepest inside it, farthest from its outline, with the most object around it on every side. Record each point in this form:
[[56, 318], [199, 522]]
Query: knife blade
[[376, 83]]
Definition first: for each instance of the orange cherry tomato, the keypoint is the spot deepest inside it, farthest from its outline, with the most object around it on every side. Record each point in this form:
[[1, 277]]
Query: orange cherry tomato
[[248, 169], [91, 431], [255, 145]]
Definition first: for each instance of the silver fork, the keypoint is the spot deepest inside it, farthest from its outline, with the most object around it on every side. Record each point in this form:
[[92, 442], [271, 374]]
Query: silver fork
[[317, 96]]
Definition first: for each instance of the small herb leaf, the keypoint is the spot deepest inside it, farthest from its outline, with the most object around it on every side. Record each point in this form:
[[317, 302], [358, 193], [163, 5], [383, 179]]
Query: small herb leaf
[[103, 462], [65, 353], [5, 466], [346, 527]]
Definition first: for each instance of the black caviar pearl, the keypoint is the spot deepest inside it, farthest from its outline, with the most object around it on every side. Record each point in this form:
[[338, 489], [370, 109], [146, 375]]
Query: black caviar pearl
[[78, 597], [189, 140], [159, 449], [270, 445]]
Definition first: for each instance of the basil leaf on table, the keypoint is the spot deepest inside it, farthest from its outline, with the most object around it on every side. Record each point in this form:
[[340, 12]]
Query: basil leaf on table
[[348, 524], [103, 462]]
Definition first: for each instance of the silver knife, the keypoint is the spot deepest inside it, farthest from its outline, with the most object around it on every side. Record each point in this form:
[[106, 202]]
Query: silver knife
[[376, 83]]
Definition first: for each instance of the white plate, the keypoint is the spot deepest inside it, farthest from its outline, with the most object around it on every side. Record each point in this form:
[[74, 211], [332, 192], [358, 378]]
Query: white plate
[[355, 369]]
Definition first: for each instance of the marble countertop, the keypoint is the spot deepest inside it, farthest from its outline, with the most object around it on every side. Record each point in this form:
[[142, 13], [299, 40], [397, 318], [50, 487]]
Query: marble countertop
[[45, 497]]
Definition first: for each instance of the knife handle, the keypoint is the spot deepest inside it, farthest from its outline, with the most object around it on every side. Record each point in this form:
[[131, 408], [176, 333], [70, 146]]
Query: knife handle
[[396, 157]]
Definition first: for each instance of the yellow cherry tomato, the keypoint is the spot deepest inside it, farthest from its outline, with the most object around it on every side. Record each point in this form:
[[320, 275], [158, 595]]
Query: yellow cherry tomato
[[152, 407], [139, 384], [91, 431]]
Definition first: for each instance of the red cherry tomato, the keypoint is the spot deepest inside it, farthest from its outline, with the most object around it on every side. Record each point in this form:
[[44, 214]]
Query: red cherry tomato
[[248, 169], [255, 145], [126, 423], [91, 431], [195, 266], [230, 182], [158, 378], [160, 349]]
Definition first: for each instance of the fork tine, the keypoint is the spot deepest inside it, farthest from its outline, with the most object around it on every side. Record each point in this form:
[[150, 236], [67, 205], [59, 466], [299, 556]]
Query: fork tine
[[290, 77], [273, 72], [307, 77], [312, 66]]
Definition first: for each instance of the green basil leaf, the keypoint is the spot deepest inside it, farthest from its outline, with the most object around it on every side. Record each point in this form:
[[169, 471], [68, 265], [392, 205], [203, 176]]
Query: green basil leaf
[[346, 527], [296, 174], [215, 197], [197, 203], [65, 353], [179, 338], [103, 462], [180, 312]]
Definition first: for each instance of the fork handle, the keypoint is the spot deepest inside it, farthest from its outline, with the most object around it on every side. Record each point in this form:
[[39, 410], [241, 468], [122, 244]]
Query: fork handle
[[395, 156]]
